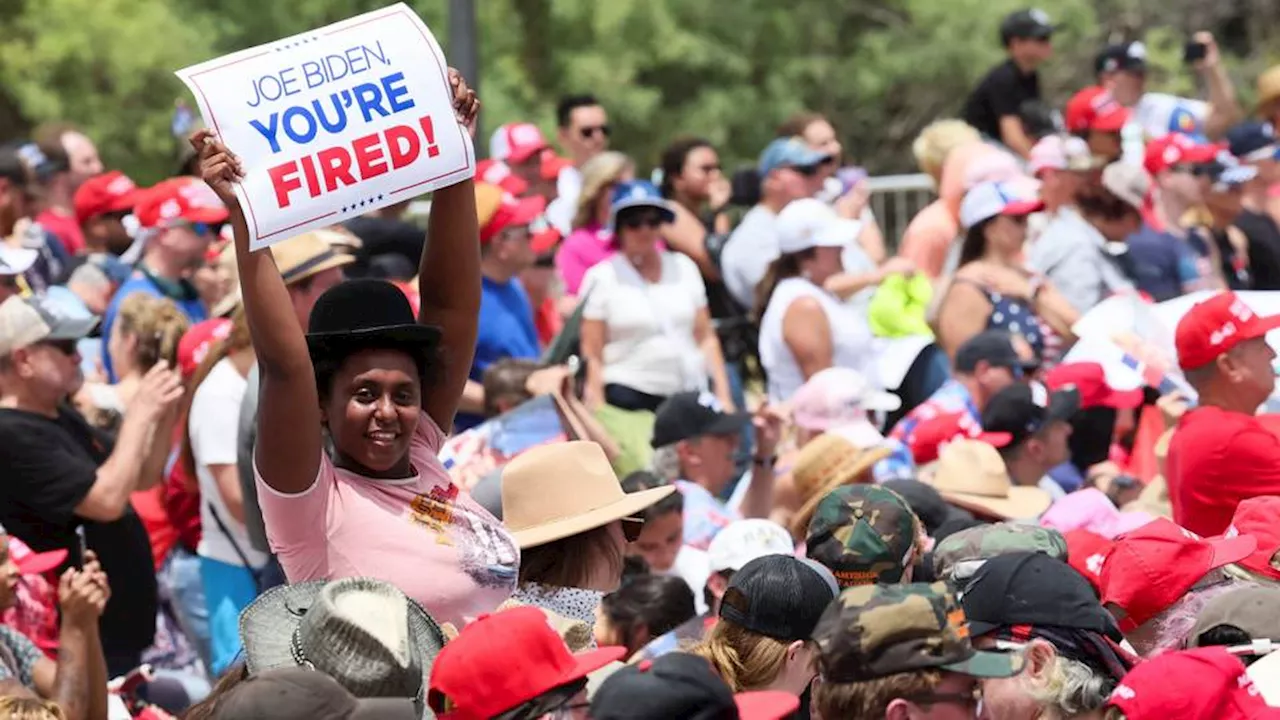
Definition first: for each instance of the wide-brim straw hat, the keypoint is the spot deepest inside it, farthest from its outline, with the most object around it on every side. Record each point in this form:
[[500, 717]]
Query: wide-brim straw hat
[[560, 490], [835, 458], [970, 474], [362, 632], [297, 258]]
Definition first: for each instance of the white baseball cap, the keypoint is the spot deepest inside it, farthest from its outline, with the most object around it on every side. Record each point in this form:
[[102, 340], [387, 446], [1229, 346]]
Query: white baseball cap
[[742, 541], [989, 199], [838, 396], [810, 223], [15, 261]]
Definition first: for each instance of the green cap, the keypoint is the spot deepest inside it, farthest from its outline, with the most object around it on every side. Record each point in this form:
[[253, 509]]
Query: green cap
[[878, 630], [864, 534], [959, 556]]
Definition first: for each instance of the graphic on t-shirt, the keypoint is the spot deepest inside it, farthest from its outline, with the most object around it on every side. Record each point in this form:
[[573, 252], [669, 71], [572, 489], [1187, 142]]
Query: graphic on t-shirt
[[485, 553]]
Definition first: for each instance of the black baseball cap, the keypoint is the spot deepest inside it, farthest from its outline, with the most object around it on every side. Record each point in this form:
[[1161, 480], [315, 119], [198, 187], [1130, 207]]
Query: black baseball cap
[[995, 347], [680, 685], [689, 415], [1031, 588], [1024, 409], [779, 596], [1130, 56], [1032, 23], [926, 503], [1248, 138]]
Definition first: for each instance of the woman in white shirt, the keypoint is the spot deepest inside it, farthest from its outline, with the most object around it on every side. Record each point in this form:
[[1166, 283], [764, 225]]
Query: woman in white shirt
[[229, 564], [646, 330], [804, 328]]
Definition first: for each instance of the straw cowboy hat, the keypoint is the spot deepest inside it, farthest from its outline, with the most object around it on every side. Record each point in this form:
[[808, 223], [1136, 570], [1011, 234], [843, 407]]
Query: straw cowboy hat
[[560, 490], [298, 258], [832, 459], [364, 633], [971, 474]]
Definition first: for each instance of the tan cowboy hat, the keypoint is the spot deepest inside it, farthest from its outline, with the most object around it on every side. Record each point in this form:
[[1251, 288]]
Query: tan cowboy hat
[[1268, 88], [560, 490], [298, 258], [971, 475], [832, 459]]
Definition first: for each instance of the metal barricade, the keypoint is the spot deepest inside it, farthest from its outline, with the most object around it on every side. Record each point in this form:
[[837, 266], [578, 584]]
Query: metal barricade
[[895, 199]]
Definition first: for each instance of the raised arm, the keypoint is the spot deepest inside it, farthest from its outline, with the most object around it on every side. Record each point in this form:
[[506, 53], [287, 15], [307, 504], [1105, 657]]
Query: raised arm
[[449, 277], [288, 404]]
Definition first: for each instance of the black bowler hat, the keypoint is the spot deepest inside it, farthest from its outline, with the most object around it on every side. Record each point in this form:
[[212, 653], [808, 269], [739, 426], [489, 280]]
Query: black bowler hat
[[366, 313]]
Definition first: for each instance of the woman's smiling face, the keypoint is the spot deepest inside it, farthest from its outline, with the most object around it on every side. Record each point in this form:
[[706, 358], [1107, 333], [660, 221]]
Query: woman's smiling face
[[373, 411]]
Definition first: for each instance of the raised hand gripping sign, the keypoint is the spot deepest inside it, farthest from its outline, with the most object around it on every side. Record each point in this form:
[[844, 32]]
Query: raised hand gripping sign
[[335, 122]]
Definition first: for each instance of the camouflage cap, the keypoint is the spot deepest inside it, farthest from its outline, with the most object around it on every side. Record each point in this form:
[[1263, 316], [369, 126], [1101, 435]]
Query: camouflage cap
[[864, 534], [959, 556], [878, 630]]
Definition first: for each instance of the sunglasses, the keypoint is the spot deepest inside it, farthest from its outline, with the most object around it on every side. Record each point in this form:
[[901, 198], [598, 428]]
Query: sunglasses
[[807, 170], [631, 528], [590, 131], [636, 220]]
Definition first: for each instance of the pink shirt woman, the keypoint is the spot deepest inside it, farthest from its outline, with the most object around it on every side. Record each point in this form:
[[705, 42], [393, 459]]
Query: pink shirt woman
[[591, 242]]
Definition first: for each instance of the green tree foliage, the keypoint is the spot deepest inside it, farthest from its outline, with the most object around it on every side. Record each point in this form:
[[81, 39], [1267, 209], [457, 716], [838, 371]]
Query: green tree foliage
[[880, 69]]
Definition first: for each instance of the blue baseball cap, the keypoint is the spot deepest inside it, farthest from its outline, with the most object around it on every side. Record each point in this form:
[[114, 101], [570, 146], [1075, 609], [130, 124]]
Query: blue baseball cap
[[789, 152], [638, 193], [1253, 141]]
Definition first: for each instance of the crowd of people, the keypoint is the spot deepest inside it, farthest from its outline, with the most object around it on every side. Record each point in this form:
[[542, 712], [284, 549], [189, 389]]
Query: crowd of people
[[806, 469]]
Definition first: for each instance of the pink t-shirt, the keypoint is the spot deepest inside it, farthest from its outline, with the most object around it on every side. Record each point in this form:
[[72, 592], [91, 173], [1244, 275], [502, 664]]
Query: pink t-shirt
[[585, 248], [424, 534]]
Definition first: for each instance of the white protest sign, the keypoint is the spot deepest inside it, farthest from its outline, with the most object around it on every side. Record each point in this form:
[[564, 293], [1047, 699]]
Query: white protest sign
[[335, 122]]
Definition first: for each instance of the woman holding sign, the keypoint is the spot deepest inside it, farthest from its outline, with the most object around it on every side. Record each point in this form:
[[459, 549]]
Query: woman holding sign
[[383, 387]]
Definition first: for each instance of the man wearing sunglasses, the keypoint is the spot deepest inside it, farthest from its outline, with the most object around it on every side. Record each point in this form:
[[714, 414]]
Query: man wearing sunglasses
[[179, 218], [61, 474], [789, 170], [583, 132]]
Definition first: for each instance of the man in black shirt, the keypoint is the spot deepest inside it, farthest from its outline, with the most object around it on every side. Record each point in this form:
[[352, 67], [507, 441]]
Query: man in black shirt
[[60, 474], [1255, 144], [996, 105]]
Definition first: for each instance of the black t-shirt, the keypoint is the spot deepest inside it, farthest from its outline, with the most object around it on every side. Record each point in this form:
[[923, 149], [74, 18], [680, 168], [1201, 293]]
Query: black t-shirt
[[49, 465], [1000, 94], [1264, 248]]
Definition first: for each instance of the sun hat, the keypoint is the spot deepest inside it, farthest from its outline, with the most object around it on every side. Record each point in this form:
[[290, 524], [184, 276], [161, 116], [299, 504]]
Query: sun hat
[[297, 258], [637, 194], [742, 541], [809, 223], [365, 633], [836, 397], [680, 685], [828, 461], [874, 631], [1200, 684], [556, 491], [863, 534], [302, 694], [1216, 325], [366, 313], [1259, 517], [989, 199], [959, 556], [1153, 567], [502, 660], [971, 474], [1268, 88]]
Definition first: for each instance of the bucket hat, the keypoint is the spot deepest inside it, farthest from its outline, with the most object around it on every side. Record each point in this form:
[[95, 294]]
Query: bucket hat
[[557, 491]]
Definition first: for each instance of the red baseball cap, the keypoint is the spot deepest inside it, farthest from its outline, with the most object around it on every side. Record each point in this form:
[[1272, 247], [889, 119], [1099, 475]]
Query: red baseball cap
[[502, 660], [929, 436], [1176, 149], [516, 142], [1201, 684], [498, 210], [1216, 325], [1087, 553], [1259, 517], [543, 236], [180, 199], [1090, 380], [1150, 568], [1093, 108], [106, 193], [552, 164], [196, 341], [497, 173], [30, 562]]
